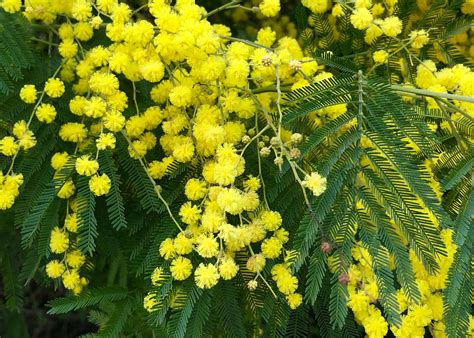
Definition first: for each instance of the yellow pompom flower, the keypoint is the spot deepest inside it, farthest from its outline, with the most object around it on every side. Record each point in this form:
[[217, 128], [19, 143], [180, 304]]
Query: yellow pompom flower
[[114, 121], [86, 167], [59, 241], [294, 300], [75, 259], [71, 279], [228, 268], [67, 190], [181, 96], [190, 214], [316, 183], [419, 38], [46, 113], [28, 93], [54, 88], [207, 246], [206, 276], [58, 160], [105, 141], [70, 223], [182, 244], [8, 146], [181, 268], [73, 132], [269, 8], [361, 18], [55, 269], [195, 189], [256, 263], [316, 6], [380, 56], [167, 250], [271, 247], [271, 220], [286, 282], [391, 26], [11, 6], [99, 184]]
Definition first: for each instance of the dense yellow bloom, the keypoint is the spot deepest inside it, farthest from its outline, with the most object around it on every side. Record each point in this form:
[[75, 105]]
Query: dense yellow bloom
[[73, 132], [270, 7], [28, 93], [271, 247], [71, 279], [206, 276], [58, 160], [67, 190], [59, 241], [207, 246], [228, 268], [294, 300], [167, 250], [11, 6], [195, 189], [75, 259], [181, 268], [55, 269], [316, 6], [361, 18], [8, 146], [316, 183], [85, 166], [391, 26], [46, 113], [54, 88], [419, 38], [380, 56], [98, 184]]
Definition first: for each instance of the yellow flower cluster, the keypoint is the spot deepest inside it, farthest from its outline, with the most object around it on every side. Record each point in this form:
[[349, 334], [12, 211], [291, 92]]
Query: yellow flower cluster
[[364, 295], [63, 242], [204, 114]]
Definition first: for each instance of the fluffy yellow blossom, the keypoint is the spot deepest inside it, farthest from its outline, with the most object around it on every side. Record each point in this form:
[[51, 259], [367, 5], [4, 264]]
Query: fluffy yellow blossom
[[11, 6], [54, 88], [207, 246], [181, 268], [58, 160], [419, 38], [85, 166], [316, 183], [228, 268], [28, 93], [380, 56], [8, 146], [71, 279], [105, 141], [206, 276], [391, 26], [73, 132], [361, 18], [67, 190], [271, 247], [46, 113], [294, 300], [59, 241], [75, 259], [270, 7], [55, 269], [317, 6], [195, 189], [98, 184]]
